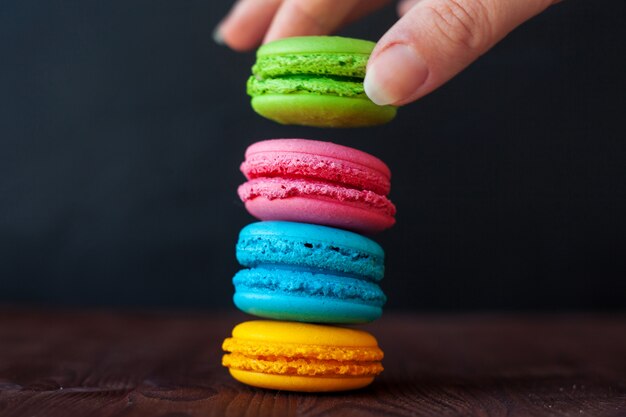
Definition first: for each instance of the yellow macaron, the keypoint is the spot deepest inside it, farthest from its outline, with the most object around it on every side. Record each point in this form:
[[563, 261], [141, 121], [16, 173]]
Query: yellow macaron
[[301, 357]]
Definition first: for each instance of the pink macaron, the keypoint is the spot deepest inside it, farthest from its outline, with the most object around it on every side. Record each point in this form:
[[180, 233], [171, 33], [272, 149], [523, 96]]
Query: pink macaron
[[317, 182]]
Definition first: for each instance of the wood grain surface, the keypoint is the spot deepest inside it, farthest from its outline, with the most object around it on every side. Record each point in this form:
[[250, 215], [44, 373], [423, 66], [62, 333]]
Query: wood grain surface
[[98, 363]]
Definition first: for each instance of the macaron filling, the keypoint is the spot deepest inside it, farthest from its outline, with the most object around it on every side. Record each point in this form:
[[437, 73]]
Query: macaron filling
[[304, 283], [284, 71], [303, 367], [286, 358], [253, 348], [253, 251], [338, 64], [304, 84], [278, 188]]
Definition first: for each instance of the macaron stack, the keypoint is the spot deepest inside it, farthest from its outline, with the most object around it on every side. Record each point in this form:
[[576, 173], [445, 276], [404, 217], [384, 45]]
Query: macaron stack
[[306, 264]]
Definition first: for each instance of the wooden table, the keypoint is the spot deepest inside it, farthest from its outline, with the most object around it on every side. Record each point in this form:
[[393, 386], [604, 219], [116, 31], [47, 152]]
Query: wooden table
[[98, 363]]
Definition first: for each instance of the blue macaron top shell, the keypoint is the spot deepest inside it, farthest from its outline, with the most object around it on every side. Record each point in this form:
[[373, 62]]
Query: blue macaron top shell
[[310, 246]]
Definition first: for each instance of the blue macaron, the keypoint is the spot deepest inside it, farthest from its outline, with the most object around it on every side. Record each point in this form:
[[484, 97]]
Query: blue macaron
[[310, 273]]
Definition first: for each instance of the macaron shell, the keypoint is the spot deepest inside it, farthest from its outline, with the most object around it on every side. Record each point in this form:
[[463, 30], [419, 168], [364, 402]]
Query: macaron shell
[[317, 160], [316, 44], [321, 249], [303, 333], [321, 148], [351, 216], [321, 110], [305, 309], [300, 383], [334, 240], [310, 283]]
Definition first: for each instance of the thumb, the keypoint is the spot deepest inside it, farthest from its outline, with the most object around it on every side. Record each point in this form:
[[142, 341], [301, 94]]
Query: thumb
[[435, 40]]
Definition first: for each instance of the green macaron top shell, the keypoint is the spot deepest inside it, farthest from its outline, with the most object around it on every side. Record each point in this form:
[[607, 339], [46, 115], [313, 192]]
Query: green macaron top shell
[[291, 70], [315, 44], [323, 55]]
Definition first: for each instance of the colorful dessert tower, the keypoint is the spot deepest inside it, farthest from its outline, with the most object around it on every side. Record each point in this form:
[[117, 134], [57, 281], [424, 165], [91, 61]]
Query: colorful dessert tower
[[307, 265]]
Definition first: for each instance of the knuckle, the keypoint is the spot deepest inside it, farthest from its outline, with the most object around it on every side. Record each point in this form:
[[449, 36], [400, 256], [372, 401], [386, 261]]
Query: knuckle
[[465, 23]]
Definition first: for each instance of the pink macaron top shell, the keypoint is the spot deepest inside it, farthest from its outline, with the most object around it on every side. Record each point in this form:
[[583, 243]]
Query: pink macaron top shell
[[326, 161]]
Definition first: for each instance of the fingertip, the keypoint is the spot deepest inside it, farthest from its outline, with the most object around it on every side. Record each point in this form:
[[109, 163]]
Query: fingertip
[[217, 35], [229, 33], [239, 45], [234, 39]]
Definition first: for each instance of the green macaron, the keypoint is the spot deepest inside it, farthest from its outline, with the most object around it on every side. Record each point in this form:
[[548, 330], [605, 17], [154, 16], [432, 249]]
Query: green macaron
[[315, 81]]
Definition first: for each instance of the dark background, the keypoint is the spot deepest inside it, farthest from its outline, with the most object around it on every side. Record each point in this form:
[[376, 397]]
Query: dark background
[[122, 126]]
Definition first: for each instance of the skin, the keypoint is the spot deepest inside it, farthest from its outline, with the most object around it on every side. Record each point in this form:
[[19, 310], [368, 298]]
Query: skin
[[431, 42]]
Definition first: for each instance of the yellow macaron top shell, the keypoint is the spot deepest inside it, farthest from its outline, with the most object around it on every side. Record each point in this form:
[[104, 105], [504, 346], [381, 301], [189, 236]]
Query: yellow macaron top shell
[[302, 333]]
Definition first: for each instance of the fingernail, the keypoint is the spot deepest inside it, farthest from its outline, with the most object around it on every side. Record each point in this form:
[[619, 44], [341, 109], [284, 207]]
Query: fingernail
[[217, 35], [394, 75]]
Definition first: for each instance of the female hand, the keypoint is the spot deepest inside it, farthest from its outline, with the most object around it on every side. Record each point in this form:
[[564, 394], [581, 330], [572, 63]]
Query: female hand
[[432, 42]]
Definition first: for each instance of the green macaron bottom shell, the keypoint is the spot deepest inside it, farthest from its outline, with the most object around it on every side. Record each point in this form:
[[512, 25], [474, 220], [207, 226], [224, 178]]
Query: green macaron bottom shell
[[319, 110]]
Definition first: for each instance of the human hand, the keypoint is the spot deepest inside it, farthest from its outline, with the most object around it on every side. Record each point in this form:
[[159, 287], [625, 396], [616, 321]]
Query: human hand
[[432, 42]]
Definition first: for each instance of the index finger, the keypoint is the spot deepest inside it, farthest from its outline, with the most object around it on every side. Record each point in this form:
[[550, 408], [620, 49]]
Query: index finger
[[309, 17], [247, 22]]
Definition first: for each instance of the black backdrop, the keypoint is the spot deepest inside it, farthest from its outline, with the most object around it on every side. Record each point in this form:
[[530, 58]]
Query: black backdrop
[[122, 126]]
